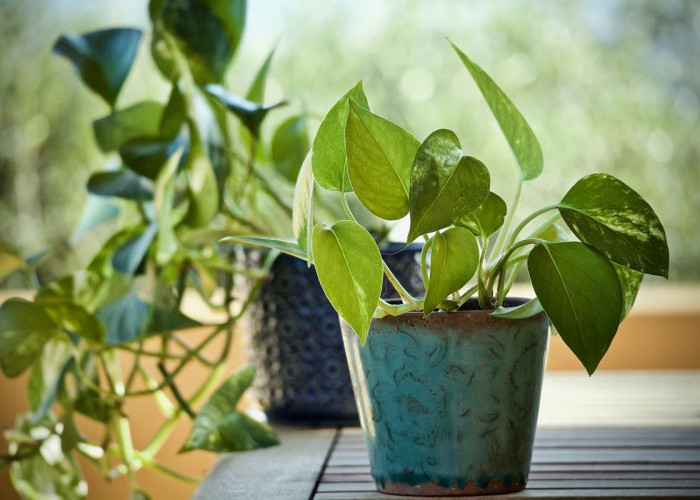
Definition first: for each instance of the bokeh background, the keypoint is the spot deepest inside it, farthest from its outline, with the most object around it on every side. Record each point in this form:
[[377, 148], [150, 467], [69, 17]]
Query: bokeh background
[[607, 85]]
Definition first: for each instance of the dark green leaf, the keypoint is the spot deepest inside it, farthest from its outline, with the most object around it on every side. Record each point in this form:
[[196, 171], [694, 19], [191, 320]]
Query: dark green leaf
[[349, 267], [206, 32], [147, 155], [488, 218], [329, 162], [250, 113], [527, 310], [607, 214], [518, 133], [290, 144], [129, 256], [380, 155], [256, 92], [24, 329], [285, 246], [445, 186], [74, 318], [302, 214], [47, 373], [174, 113], [121, 184], [630, 281], [140, 120], [209, 135], [454, 258], [84, 288], [10, 261], [97, 210], [103, 58], [580, 292], [219, 427]]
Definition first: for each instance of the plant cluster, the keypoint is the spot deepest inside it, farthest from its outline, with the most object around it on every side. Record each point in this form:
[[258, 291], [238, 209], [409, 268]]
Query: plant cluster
[[472, 245], [190, 169]]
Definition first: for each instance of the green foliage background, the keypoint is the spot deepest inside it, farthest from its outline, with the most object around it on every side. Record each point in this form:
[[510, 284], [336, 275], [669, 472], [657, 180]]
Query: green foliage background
[[606, 86]]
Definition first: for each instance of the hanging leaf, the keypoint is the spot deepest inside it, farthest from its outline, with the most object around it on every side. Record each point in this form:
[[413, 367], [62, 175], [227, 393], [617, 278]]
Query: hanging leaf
[[256, 92], [581, 293], [174, 113], [129, 256], [454, 257], [329, 162], [520, 137], [147, 155], [290, 145], [219, 427], [207, 33], [140, 120], [607, 214], [121, 184], [380, 155], [250, 113], [349, 267], [24, 329], [445, 186], [102, 58], [488, 218]]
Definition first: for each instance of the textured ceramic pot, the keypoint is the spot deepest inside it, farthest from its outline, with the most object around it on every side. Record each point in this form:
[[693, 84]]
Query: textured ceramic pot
[[296, 344], [449, 403]]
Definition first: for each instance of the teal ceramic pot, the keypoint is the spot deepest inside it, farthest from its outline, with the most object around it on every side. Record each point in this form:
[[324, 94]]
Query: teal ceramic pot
[[449, 403]]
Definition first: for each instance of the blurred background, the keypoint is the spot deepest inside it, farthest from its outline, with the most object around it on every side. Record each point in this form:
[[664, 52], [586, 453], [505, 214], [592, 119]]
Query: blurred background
[[607, 85]]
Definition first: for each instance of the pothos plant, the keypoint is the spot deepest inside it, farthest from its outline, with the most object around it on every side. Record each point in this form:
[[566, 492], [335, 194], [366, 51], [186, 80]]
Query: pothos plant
[[187, 172], [472, 244]]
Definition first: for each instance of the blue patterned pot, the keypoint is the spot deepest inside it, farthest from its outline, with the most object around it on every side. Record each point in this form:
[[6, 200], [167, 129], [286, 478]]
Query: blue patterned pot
[[449, 403]]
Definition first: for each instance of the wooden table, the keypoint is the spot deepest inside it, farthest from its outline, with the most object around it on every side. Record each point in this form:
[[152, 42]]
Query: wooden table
[[615, 435]]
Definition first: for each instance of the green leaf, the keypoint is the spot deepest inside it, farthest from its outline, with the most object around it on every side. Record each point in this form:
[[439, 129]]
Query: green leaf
[[115, 129], [580, 292], [454, 257], [74, 318], [527, 310], [630, 281], [24, 329], [219, 427], [207, 32], [302, 208], [46, 375], [290, 145], [203, 189], [349, 267], [488, 218], [285, 246], [84, 288], [607, 214], [147, 155], [554, 233], [96, 211], [518, 133], [256, 92], [174, 113], [103, 58], [250, 113], [329, 162], [121, 184], [129, 256], [380, 155], [10, 261], [166, 241], [445, 186]]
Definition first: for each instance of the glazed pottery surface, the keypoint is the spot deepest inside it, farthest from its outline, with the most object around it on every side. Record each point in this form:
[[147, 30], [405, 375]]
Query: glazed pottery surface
[[449, 403], [296, 344]]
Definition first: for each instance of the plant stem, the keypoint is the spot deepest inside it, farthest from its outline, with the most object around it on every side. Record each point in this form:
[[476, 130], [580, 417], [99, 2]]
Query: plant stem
[[503, 233], [403, 293], [527, 220], [176, 392], [153, 464], [166, 407], [467, 295], [424, 263], [346, 207], [398, 309]]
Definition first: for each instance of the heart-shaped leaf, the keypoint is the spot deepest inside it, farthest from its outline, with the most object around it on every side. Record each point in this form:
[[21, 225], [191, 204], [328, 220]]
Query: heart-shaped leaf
[[121, 184], [24, 329], [380, 156], [488, 218], [610, 216], [250, 113], [207, 33], [454, 257], [220, 427], [103, 58], [349, 267], [290, 144], [140, 120], [445, 186], [581, 293], [518, 133], [329, 161]]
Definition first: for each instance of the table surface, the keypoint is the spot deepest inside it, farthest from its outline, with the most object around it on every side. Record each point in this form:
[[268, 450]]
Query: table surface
[[615, 435]]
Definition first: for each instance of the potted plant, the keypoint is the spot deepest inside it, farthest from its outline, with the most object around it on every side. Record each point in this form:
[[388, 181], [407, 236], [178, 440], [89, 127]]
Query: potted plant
[[448, 385], [114, 331]]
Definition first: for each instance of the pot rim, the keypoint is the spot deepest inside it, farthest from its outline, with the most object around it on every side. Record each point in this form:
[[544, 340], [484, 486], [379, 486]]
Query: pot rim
[[472, 306]]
